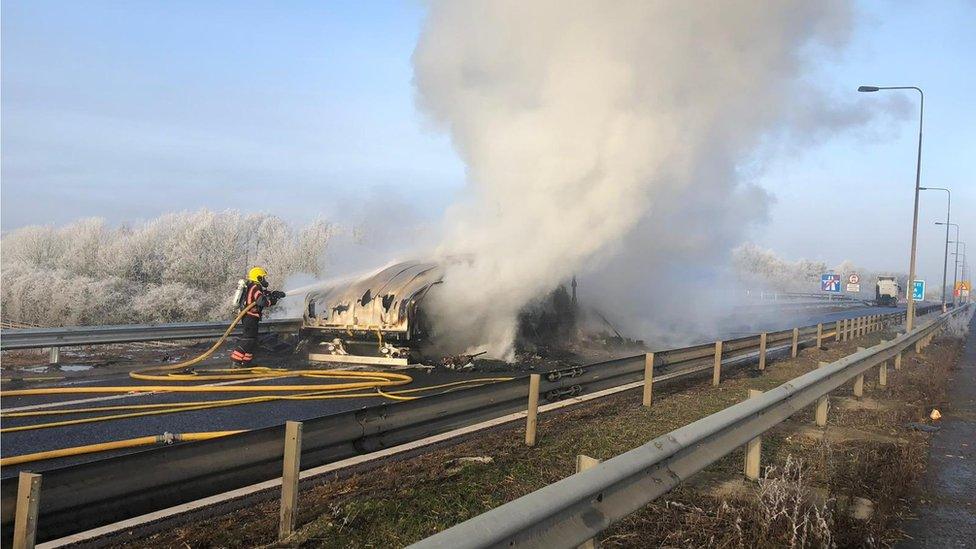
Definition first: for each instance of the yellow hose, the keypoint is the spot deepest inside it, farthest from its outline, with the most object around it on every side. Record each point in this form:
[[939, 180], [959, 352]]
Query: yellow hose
[[213, 348], [248, 400], [369, 379], [353, 383], [375, 381], [114, 445], [169, 408]]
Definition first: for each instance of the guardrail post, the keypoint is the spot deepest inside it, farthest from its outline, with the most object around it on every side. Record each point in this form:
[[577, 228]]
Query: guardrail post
[[25, 513], [796, 342], [583, 463], [291, 466], [753, 449], [531, 418], [54, 355], [717, 367], [822, 404], [648, 380], [762, 350], [837, 331], [819, 335], [859, 386]]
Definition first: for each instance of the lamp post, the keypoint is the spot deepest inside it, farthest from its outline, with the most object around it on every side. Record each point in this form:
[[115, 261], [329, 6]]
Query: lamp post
[[910, 314], [967, 277], [945, 260], [955, 262], [962, 273]]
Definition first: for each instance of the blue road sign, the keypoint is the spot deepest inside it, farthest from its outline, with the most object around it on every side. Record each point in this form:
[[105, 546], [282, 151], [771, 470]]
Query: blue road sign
[[918, 290], [830, 282]]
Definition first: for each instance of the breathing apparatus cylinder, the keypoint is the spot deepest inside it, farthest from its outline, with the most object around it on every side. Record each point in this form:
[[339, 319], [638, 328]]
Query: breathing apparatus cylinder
[[241, 285]]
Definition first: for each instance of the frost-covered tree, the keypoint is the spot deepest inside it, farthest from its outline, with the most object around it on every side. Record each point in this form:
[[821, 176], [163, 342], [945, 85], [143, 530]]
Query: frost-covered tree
[[753, 263], [178, 267], [774, 273]]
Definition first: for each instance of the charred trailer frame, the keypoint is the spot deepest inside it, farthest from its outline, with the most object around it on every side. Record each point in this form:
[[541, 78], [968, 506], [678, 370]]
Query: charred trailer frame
[[376, 319]]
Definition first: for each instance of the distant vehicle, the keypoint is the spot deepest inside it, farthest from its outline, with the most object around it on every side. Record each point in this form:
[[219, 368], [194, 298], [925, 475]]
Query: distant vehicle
[[886, 291]]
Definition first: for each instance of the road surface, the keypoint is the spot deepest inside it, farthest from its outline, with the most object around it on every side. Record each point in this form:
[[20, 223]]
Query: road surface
[[249, 416]]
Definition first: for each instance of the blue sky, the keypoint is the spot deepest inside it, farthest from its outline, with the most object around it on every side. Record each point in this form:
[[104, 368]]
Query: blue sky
[[129, 109], [851, 197]]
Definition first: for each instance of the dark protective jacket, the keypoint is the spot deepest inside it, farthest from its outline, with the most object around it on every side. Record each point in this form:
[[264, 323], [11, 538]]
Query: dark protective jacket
[[254, 293]]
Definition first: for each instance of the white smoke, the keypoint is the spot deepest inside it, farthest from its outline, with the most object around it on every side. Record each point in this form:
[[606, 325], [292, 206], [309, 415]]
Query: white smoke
[[607, 138]]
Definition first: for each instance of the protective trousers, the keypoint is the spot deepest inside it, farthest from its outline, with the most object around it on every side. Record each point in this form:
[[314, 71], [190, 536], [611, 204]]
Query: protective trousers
[[247, 343]]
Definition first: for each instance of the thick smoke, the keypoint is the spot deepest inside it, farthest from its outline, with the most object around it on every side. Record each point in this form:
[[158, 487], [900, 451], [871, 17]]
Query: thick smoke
[[606, 139]]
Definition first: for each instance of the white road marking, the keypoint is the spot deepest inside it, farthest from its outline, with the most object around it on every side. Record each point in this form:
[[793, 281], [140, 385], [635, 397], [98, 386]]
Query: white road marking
[[126, 395]]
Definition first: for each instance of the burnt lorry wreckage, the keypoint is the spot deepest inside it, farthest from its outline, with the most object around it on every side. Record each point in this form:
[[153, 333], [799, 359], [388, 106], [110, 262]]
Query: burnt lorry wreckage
[[382, 318], [376, 319]]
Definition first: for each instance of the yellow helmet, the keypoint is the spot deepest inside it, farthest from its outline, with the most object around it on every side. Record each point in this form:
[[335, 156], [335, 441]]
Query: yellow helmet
[[256, 273]]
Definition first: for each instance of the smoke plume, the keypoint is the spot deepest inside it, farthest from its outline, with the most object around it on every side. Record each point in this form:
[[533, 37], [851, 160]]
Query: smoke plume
[[606, 139]]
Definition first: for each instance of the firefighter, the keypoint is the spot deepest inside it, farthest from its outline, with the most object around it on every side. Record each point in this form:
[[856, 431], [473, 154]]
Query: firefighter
[[255, 291]]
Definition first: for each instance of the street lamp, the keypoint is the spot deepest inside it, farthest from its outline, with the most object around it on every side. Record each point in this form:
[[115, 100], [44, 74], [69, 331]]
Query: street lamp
[[955, 265], [962, 273], [945, 260], [910, 315]]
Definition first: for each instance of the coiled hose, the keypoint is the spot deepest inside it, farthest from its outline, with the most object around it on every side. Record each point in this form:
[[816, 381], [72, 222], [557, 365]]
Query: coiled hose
[[353, 384]]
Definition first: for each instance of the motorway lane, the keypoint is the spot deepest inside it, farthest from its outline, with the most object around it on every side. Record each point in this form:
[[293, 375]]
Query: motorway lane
[[800, 319], [250, 416], [242, 417]]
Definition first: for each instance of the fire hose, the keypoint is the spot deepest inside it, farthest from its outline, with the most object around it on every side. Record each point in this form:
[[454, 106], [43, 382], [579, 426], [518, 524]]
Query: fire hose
[[165, 438], [353, 384]]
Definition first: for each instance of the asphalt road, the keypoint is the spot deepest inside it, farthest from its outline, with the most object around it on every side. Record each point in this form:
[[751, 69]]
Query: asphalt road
[[249, 416], [242, 417]]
